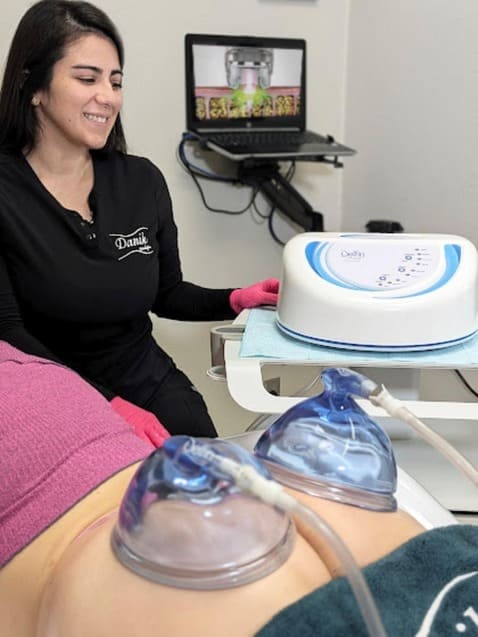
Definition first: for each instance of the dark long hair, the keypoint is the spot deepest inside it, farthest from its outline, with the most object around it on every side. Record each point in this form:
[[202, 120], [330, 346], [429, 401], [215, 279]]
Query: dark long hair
[[42, 35]]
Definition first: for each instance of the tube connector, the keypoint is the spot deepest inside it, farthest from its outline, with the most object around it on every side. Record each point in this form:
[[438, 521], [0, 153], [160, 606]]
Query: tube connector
[[381, 397], [245, 476], [248, 479], [348, 381]]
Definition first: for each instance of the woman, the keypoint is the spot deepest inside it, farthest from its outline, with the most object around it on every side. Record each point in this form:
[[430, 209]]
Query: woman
[[88, 243], [70, 459]]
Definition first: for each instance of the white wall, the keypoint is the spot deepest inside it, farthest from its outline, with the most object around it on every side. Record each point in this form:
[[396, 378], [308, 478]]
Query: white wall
[[218, 250], [411, 111], [412, 91]]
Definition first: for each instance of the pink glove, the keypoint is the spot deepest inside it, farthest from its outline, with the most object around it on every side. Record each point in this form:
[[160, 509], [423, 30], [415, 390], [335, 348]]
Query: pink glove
[[263, 293], [145, 424]]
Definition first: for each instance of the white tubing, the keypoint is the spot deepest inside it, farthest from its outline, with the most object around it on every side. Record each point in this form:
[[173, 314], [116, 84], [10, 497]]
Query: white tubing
[[351, 570], [271, 492], [397, 409]]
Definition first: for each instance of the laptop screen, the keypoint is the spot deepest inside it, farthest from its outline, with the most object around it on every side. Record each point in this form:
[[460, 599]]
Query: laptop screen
[[235, 82]]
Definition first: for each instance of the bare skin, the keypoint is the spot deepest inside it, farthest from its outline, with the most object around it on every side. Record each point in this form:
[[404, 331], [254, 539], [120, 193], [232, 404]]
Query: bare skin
[[68, 582], [23, 579], [369, 535], [120, 603]]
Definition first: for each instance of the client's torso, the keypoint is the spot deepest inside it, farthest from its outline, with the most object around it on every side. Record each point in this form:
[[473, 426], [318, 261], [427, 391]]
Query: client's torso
[[114, 601], [93, 594], [67, 582], [23, 579], [369, 535]]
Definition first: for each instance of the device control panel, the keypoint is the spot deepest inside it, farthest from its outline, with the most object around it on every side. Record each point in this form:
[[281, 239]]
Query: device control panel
[[399, 267]]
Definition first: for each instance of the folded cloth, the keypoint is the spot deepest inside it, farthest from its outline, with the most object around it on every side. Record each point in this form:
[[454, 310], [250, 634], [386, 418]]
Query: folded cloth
[[264, 339], [428, 587]]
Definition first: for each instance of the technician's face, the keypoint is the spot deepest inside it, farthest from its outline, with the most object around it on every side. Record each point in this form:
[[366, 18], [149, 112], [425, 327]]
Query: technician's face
[[81, 105]]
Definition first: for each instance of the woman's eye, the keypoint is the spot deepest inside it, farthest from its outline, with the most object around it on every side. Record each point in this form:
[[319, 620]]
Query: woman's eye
[[117, 85], [87, 80]]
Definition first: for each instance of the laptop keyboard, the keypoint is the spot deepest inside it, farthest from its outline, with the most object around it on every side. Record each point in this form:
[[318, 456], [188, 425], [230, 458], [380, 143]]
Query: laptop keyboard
[[264, 139]]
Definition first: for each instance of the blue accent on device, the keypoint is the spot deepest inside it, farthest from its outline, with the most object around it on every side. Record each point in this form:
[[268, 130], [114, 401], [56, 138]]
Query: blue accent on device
[[315, 253]]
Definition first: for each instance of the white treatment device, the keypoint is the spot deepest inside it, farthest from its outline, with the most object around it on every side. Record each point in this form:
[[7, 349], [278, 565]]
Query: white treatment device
[[380, 292]]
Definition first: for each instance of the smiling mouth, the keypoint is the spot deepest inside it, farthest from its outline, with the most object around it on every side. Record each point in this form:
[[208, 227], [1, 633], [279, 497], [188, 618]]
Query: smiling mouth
[[99, 119]]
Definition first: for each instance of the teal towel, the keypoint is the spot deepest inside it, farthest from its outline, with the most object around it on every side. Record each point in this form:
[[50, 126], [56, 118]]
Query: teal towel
[[263, 339], [426, 588]]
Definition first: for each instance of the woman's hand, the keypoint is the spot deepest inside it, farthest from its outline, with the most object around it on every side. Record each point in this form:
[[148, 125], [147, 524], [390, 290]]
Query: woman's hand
[[145, 424], [262, 293]]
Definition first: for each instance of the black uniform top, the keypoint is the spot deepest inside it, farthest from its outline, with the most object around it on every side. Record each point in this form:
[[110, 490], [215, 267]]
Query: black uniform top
[[79, 292]]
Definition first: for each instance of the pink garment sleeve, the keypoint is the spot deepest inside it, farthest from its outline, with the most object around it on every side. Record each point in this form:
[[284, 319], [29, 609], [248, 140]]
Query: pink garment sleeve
[[59, 440]]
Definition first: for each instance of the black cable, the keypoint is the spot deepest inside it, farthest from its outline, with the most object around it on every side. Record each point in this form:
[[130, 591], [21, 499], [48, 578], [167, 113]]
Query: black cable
[[197, 173], [288, 176], [262, 215], [466, 383], [272, 231], [221, 210], [269, 215], [291, 171]]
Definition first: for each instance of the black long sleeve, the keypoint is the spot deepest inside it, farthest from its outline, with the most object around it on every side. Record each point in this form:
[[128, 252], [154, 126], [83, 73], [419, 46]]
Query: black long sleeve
[[12, 329], [81, 294]]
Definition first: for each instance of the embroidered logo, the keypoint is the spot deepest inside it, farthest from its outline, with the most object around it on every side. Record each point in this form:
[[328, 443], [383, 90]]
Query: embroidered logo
[[135, 242], [468, 616]]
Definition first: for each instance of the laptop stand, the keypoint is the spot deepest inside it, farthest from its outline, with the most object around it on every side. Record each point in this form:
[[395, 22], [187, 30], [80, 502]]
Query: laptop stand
[[266, 177]]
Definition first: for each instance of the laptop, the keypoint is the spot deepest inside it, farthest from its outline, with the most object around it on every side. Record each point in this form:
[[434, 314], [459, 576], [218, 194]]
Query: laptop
[[246, 98]]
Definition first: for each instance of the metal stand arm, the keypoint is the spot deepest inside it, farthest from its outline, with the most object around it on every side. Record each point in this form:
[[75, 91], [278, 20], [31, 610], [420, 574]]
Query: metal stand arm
[[267, 178]]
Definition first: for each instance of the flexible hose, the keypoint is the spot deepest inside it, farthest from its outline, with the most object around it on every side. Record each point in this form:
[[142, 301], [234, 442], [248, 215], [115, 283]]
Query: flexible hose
[[397, 409], [271, 492], [352, 572], [360, 385]]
